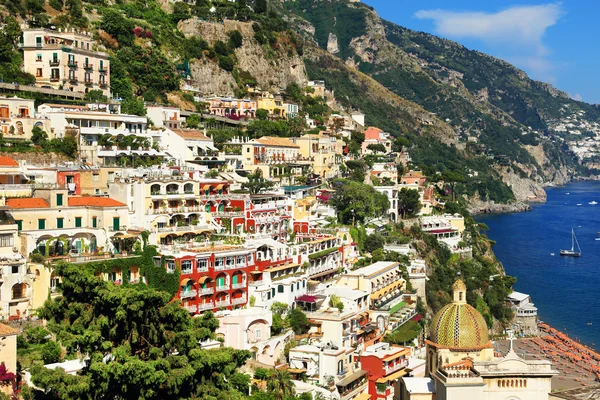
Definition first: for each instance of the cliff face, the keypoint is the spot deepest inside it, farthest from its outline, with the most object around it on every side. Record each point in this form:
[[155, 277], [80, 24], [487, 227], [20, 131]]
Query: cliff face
[[271, 69]]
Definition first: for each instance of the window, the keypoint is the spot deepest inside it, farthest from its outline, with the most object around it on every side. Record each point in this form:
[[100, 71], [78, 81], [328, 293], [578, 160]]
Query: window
[[170, 266], [59, 199], [280, 289], [19, 224], [202, 264], [41, 224], [116, 223], [6, 241], [95, 177], [273, 292], [240, 259], [298, 286], [292, 287], [18, 291], [230, 261], [14, 269], [94, 222], [38, 57], [219, 262], [186, 267], [60, 223], [258, 333], [77, 222], [39, 73]]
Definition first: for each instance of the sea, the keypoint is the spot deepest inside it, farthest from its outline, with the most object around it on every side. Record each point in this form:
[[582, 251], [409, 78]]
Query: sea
[[566, 290]]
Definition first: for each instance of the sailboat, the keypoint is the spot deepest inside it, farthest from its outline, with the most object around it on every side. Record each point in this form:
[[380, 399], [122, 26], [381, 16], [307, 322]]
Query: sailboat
[[574, 242]]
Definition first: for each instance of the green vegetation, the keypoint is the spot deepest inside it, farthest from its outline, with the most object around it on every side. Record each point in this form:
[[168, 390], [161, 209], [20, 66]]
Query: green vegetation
[[256, 183], [355, 201], [297, 320], [404, 334]]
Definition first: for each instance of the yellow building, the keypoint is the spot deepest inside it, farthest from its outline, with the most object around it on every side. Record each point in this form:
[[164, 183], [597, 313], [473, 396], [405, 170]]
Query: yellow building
[[18, 117], [276, 157], [324, 152], [67, 60], [8, 352], [273, 104], [95, 181]]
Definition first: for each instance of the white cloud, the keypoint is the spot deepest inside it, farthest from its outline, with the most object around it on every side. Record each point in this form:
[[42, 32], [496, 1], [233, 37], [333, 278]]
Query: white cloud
[[516, 32]]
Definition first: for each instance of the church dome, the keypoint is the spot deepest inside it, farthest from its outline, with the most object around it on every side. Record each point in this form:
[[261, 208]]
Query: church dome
[[458, 325]]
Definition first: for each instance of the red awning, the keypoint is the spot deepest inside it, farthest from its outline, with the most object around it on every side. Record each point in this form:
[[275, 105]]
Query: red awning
[[417, 318], [307, 299]]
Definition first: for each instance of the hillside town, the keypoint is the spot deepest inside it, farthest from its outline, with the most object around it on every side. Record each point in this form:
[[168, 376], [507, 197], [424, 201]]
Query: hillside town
[[249, 230]]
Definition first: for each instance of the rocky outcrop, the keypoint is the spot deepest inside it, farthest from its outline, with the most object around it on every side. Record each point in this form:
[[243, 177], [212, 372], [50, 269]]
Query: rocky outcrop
[[524, 189], [332, 44], [272, 70], [490, 207]]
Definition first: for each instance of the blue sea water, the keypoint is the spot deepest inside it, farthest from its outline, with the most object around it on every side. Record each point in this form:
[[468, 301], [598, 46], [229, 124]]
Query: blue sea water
[[566, 290]]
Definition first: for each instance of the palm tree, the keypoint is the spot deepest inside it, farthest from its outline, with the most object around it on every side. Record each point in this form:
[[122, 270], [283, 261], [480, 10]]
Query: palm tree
[[280, 384]]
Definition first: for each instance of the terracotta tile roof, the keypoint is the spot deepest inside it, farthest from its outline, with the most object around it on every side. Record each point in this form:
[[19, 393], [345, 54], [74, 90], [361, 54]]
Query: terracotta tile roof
[[94, 202], [276, 141], [193, 134], [6, 330], [29, 202], [8, 162]]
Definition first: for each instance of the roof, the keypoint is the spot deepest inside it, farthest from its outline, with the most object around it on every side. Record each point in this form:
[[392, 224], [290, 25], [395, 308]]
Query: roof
[[193, 134], [373, 268], [346, 293], [6, 330], [6, 161], [28, 202], [518, 296], [276, 141], [419, 385], [89, 201], [587, 393]]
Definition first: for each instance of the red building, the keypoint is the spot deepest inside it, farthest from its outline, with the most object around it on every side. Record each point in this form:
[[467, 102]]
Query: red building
[[269, 215], [386, 364], [212, 278], [71, 180]]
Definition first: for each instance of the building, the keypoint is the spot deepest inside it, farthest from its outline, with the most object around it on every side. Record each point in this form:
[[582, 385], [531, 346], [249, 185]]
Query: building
[[8, 352], [231, 107], [65, 59], [461, 363], [165, 117], [18, 117], [386, 365], [272, 104], [277, 158], [193, 146], [526, 321], [324, 152], [375, 135]]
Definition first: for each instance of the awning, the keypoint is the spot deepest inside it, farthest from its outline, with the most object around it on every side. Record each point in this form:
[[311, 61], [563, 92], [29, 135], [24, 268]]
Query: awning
[[185, 281], [256, 272], [349, 379], [211, 147], [124, 236], [206, 187], [203, 279], [369, 328], [282, 267], [333, 271], [220, 186], [363, 396], [392, 377], [297, 370]]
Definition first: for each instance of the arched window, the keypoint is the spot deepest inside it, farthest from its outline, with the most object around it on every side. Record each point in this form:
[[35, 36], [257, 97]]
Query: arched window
[[18, 291], [280, 289]]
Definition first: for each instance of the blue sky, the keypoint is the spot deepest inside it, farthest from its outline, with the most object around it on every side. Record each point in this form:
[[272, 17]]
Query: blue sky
[[555, 42]]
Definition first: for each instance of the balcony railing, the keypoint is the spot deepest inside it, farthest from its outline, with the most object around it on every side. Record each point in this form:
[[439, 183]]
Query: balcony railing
[[206, 306], [238, 285], [207, 290], [223, 303], [221, 288], [89, 67], [240, 300], [202, 269], [187, 271], [54, 78], [192, 309], [73, 79], [342, 371], [103, 84], [188, 293], [398, 366], [121, 228], [102, 69], [89, 82], [72, 64], [54, 63]]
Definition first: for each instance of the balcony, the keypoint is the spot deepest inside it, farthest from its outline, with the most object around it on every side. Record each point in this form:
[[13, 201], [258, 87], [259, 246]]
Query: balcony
[[54, 63], [89, 82], [342, 371], [103, 69], [88, 67], [222, 303], [398, 366], [120, 228], [202, 269], [238, 285], [207, 290], [206, 306], [240, 300], [72, 64], [103, 84], [54, 78], [222, 288], [192, 309], [188, 294], [73, 80]]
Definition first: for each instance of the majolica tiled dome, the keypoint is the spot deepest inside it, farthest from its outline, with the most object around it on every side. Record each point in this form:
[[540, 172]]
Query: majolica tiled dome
[[458, 325]]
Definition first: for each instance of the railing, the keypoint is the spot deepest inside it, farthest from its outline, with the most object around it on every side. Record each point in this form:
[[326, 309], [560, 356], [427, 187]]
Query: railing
[[256, 283], [88, 82], [238, 285], [88, 66], [102, 70], [187, 271], [240, 300], [221, 288], [342, 371], [12, 186], [54, 78], [203, 269], [400, 365], [121, 228], [73, 79], [222, 303], [103, 84], [54, 63], [222, 214], [207, 290], [72, 64], [188, 293], [192, 309], [206, 306]]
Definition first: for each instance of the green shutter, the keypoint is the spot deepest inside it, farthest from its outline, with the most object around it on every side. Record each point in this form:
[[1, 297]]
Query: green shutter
[[220, 281], [41, 224], [94, 222], [116, 223], [59, 223], [235, 279], [19, 224], [59, 199], [77, 222]]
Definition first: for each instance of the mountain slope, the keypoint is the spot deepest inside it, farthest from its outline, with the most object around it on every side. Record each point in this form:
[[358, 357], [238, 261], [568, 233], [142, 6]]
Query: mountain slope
[[495, 110]]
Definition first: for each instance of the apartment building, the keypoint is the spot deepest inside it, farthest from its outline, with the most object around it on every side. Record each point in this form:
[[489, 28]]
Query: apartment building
[[324, 152], [231, 107], [165, 117], [386, 364], [66, 60], [18, 117]]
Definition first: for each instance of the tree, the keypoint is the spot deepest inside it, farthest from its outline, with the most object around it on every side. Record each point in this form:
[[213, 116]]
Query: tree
[[235, 39], [38, 136], [355, 201], [262, 114], [193, 121], [51, 352], [140, 344], [256, 183], [260, 6], [96, 95], [133, 106], [297, 320], [453, 178], [409, 202], [356, 170], [280, 384], [180, 11], [376, 147], [117, 26], [374, 242]]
